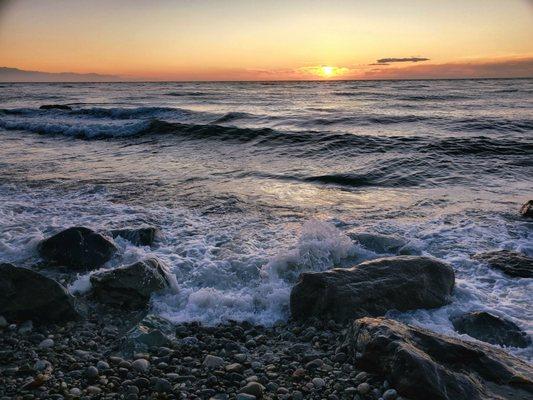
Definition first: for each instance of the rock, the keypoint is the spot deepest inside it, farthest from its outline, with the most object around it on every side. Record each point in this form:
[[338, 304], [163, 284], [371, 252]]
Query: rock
[[78, 248], [25, 294], [91, 372], [141, 365], [511, 262], [130, 286], [245, 396], [55, 107], [25, 327], [363, 388], [381, 244], [491, 329], [151, 331], [75, 392], [46, 344], [390, 394], [3, 322], [144, 236], [421, 364], [93, 390], [102, 366], [213, 362], [372, 288], [234, 367], [162, 386], [318, 383], [527, 209], [254, 388]]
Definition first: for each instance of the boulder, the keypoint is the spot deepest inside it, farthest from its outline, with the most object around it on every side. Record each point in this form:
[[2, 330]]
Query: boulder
[[421, 364], [511, 262], [372, 288], [143, 236], [527, 209], [491, 329], [26, 294], [78, 248], [130, 286], [55, 107]]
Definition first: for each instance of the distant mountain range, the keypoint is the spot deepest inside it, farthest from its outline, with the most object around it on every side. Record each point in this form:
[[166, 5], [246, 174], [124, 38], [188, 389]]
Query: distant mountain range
[[19, 75]]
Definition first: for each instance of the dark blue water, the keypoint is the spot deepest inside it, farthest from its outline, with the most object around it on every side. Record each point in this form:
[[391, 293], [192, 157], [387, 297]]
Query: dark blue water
[[252, 183]]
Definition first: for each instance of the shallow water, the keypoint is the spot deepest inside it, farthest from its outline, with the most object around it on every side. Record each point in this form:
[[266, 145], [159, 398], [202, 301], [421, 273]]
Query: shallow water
[[252, 183]]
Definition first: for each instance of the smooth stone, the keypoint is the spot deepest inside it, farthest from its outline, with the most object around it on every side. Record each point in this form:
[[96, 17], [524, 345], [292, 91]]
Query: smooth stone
[[102, 365], [163, 386], [94, 390], [213, 362], [46, 344], [245, 396], [91, 372], [254, 388], [363, 388], [140, 365], [390, 394], [75, 392], [319, 383]]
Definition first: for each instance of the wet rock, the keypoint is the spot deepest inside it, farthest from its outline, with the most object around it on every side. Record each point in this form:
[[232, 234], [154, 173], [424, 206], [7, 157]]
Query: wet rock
[[55, 107], [163, 386], [527, 209], [421, 364], [130, 286], [46, 344], [141, 365], [254, 388], [25, 294], [144, 236], [491, 329], [381, 244], [390, 394], [152, 331], [363, 388], [511, 262], [213, 362], [372, 288], [78, 248], [91, 372]]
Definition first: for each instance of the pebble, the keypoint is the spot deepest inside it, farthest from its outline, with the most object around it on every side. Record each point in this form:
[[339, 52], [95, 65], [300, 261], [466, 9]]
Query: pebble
[[162, 386], [41, 365], [318, 383], [91, 372], [390, 394], [141, 365], [213, 362], [244, 396], [254, 388], [46, 344], [363, 388], [93, 390], [75, 392], [102, 365]]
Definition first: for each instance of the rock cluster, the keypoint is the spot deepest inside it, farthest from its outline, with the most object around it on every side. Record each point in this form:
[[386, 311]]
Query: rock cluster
[[512, 263]]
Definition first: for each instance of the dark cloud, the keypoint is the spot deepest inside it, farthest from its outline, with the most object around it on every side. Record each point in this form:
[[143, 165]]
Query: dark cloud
[[385, 61]]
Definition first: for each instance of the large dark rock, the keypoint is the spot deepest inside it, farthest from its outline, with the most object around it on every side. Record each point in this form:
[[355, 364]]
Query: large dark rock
[[26, 294], [78, 248], [527, 209], [130, 286], [423, 365], [491, 329], [372, 288], [55, 107], [143, 236], [511, 262]]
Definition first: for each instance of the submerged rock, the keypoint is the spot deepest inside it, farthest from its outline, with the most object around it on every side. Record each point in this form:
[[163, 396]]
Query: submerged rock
[[130, 286], [422, 365], [511, 262], [372, 288], [527, 209], [143, 236], [381, 244], [26, 294], [491, 329], [77, 248], [55, 107]]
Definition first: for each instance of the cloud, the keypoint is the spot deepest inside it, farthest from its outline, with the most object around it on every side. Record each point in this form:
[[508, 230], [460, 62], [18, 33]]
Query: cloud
[[387, 61], [512, 67]]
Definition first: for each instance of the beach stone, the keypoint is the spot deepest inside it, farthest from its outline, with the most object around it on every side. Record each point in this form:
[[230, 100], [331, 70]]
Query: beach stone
[[527, 209], [130, 286], [491, 329], [141, 365], [143, 236], [421, 364], [162, 386], [254, 388], [363, 388], [372, 288], [93, 390], [512, 263], [26, 294], [213, 362], [318, 383], [234, 367], [245, 396], [91, 372], [75, 392], [3, 322], [78, 248], [102, 365], [46, 344], [390, 394]]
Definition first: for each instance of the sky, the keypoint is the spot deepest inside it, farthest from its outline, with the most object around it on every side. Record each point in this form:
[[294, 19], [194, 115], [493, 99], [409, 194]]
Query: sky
[[269, 39]]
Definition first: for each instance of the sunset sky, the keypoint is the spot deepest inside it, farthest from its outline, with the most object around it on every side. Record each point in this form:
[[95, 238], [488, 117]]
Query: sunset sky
[[269, 39]]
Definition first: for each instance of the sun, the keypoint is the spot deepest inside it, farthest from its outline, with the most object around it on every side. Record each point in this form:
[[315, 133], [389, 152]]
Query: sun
[[328, 71]]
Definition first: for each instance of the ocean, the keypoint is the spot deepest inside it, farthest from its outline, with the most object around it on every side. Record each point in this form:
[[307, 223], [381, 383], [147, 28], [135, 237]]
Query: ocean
[[254, 183]]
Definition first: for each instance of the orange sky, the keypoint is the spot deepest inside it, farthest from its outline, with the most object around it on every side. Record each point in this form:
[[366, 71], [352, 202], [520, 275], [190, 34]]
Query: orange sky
[[257, 40]]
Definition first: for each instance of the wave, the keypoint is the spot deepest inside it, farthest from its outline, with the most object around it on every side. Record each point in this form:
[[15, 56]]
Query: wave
[[187, 94]]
